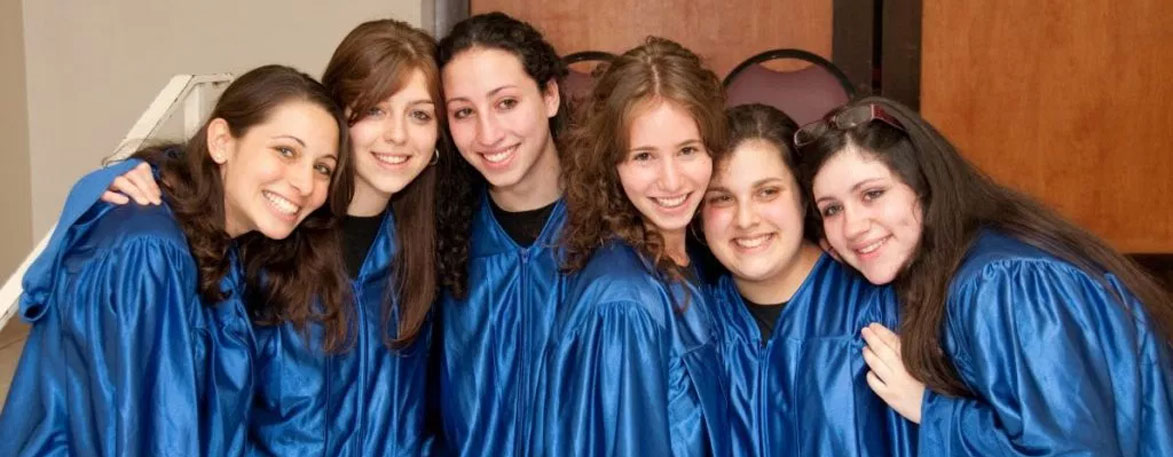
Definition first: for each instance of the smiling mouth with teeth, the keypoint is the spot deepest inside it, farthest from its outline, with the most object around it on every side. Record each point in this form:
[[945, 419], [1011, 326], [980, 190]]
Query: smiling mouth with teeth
[[498, 157], [872, 247], [281, 204], [750, 243], [391, 159], [670, 202]]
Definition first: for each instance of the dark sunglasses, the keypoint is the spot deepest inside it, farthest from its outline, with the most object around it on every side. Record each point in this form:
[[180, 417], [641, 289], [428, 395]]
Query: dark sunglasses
[[843, 120]]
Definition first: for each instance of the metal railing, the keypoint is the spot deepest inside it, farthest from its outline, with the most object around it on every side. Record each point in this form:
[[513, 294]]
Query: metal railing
[[188, 96]]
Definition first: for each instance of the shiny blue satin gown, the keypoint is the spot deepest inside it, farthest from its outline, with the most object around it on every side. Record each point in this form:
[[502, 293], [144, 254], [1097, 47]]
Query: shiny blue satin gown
[[633, 366], [124, 359], [1056, 365], [366, 401], [803, 392], [493, 339]]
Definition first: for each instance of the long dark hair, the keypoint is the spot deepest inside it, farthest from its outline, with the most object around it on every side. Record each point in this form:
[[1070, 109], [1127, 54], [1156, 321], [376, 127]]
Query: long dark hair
[[597, 208], [958, 200], [297, 279], [542, 64], [373, 62]]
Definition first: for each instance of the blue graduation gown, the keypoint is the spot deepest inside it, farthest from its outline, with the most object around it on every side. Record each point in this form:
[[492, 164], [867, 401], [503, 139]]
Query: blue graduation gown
[[1057, 366], [632, 367], [493, 339], [123, 358], [804, 391], [367, 401]]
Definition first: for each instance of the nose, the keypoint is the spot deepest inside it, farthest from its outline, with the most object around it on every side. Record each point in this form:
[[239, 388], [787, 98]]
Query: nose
[[746, 216], [670, 179], [488, 132], [855, 223], [301, 177], [395, 130]]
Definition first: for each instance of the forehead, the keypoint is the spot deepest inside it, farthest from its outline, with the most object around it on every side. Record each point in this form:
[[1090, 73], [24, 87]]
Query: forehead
[[846, 168], [415, 85], [477, 70], [303, 120], [661, 122], [751, 161]]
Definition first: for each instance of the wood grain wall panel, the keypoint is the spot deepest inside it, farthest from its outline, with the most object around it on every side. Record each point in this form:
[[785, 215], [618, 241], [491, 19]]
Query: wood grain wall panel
[[724, 33], [1067, 101]]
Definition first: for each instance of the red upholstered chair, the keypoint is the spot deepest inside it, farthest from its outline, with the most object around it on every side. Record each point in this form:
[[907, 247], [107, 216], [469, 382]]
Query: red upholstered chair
[[805, 95], [578, 84]]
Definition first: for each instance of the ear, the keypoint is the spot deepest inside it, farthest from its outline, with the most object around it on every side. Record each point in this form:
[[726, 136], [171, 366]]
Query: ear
[[219, 139], [552, 98]]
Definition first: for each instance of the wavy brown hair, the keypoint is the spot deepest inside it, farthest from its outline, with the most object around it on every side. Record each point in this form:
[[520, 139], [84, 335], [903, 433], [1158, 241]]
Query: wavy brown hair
[[460, 189], [297, 279], [373, 62], [660, 70], [958, 201]]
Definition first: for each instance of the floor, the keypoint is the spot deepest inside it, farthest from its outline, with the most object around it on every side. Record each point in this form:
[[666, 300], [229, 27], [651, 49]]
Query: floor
[[11, 343]]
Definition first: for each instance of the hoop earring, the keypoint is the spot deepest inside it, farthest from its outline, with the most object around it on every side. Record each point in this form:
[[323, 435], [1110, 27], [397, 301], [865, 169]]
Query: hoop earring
[[435, 157]]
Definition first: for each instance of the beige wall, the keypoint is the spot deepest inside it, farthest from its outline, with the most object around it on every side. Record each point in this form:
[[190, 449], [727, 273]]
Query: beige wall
[[16, 225], [92, 67]]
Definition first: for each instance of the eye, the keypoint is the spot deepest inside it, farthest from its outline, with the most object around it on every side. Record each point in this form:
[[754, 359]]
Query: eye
[[507, 104], [421, 115], [872, 194], [462, 113], [830, 210], [719, 199], [286, 152], [324, 169], [642, 156], [376, 111], [689, 150], [768, 193]]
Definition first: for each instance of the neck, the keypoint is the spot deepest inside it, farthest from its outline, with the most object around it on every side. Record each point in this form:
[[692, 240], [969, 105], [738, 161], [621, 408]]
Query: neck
[[232, 225], [675, 247], [541, 185], [782, 286], [367, 201]]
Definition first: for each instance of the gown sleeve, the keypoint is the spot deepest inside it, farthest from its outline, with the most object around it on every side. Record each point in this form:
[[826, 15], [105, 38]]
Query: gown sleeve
[[607, 394], [111, 370], [1056, 365]]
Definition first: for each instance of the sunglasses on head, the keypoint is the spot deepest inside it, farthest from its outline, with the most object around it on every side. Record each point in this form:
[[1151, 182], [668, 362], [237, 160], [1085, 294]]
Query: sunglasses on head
[[843, 120]]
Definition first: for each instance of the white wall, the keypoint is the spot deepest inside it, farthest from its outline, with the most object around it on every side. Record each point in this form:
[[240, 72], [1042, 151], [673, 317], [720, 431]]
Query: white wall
[[16, 225], [92, 67]]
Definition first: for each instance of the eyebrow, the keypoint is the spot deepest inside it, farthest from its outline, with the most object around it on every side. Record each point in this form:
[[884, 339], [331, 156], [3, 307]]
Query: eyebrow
[[422, 101], [853, 188], [490, 94], [653, 148], [291, 137], [755, 184]]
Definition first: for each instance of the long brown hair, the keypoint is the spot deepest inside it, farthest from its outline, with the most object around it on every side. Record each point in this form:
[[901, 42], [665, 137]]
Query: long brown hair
[[494, 30], [373, 62], [597, 208], [959, 200], [297, 279]]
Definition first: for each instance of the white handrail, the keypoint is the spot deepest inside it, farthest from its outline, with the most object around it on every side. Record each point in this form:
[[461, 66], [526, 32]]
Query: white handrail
[[186, 91]]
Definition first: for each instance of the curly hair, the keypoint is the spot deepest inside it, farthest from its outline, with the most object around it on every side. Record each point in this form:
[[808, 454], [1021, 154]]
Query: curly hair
[[660, 70], [460, 190], [297, 279], [373, 62]]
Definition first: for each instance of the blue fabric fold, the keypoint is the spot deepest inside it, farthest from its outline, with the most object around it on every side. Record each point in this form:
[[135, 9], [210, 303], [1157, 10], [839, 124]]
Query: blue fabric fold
[[1055, 364], [804, 391], [366, 401]]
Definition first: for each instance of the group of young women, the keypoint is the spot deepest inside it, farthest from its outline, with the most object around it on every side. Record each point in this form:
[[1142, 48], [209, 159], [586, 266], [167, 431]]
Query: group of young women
[[427, 254]]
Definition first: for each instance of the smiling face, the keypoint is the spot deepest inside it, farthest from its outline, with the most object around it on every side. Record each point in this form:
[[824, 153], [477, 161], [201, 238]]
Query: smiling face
[[279, 171], [392, 143], [871, 217], [666, 168], [753, 213], [499, 117]]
